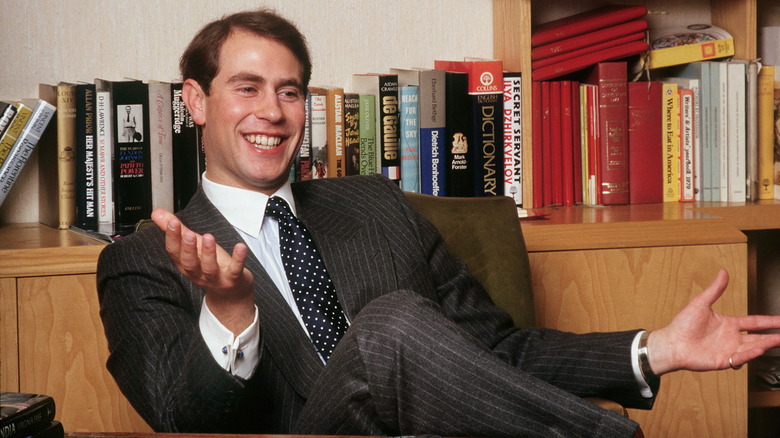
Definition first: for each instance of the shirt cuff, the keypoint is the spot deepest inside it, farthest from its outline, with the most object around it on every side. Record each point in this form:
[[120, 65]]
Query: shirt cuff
[[236, 354], [644, 387]]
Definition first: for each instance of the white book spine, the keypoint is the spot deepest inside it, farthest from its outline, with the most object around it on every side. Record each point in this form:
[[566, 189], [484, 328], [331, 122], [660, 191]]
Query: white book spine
[[723, 123], [737, 133], [105, 152], [161, 145]]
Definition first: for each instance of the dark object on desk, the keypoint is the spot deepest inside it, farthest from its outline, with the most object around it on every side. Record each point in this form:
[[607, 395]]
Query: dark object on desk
[[54, 430], [24, 414], [767, 370]]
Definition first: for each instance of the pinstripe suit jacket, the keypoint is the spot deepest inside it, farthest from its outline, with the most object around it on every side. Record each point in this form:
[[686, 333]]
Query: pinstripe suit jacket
[[373, 243]]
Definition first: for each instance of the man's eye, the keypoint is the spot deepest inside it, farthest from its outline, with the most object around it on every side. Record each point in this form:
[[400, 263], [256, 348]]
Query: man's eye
[[291, 95]]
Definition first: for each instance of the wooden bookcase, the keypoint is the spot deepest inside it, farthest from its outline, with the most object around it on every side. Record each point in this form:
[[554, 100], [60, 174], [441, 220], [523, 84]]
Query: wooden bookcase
[[584, 252]]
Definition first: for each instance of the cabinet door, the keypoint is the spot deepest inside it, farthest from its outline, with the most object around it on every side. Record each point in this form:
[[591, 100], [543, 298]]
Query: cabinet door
[[63, 351], [621, 289], [9, 353]]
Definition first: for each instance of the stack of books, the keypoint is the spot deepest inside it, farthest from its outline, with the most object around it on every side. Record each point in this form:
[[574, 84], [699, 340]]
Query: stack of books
[[28, 416], [579, 41]]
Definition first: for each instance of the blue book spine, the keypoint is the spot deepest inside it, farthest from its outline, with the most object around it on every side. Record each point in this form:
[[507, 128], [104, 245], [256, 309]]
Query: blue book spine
[[410, 139], [433, 133]]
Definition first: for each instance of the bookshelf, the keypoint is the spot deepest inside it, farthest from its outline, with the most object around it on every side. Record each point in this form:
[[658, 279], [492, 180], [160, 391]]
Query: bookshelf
[[596, 232]]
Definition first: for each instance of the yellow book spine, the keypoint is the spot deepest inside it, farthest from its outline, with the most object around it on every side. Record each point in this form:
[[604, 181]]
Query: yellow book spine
[[703, 51], [23, 113], [671, 149], [766, 127]]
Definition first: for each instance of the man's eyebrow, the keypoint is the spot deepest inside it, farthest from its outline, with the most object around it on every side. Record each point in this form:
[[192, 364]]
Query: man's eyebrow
[[246, 77]]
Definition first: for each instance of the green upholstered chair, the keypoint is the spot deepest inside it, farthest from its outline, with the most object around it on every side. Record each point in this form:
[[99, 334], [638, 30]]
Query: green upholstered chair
[[485, 233]]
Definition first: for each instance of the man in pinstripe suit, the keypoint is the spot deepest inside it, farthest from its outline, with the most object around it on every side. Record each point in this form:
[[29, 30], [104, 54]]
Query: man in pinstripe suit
[[204, 337]]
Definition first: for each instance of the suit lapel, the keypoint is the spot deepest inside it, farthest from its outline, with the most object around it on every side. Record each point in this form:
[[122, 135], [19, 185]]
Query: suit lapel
[[351, 246], [282, 335]]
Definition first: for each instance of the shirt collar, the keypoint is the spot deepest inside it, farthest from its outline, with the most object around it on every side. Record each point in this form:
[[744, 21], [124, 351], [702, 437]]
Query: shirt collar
[[244, 209]]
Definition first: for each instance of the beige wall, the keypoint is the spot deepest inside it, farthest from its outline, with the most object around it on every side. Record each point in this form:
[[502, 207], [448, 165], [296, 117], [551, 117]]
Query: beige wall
[[77, 40]]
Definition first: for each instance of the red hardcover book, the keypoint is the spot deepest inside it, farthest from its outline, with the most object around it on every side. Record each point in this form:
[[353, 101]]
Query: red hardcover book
[[536, 143], [588, 39], [638, 36], [589, 59], [584, 22], [547, 194], [645, 142], [567, 144], [556, 141], [611, 80], [577, 141]]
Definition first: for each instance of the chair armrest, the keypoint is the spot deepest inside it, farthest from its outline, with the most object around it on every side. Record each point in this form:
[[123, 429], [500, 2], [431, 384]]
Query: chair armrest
[[608, 405]]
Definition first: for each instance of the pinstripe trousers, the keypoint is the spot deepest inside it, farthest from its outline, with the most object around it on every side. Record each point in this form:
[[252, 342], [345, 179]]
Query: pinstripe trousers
[[405, 368]]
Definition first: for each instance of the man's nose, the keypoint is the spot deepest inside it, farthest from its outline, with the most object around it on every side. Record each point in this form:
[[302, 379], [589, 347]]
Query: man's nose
[[269, 108]]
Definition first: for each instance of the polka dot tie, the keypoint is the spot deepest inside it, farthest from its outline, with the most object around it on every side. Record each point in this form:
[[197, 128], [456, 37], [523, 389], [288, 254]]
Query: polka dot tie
[[309, 280]]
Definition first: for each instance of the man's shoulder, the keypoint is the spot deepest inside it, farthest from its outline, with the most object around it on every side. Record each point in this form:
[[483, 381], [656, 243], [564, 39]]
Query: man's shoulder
[[348, 189], [355, 196]]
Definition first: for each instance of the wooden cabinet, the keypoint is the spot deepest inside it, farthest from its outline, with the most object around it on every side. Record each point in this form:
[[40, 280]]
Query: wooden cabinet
[[50, 329], [597, 269], [623, 267]]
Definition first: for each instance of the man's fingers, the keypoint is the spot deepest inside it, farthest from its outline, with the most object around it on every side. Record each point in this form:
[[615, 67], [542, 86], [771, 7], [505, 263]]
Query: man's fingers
[[209, 264], [237, 260], [189, 258]]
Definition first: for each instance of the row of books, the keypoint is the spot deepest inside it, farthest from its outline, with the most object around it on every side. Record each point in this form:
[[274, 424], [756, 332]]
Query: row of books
[[451, 130], [29, 416], [21, 125], [704, 131], [108, 158]]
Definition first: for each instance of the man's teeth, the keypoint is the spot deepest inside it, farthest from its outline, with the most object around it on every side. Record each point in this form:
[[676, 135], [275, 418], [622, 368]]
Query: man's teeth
[[263, 141]]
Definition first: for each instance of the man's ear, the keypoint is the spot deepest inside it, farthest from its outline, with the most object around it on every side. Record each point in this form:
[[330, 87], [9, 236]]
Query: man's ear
[[195, 98]]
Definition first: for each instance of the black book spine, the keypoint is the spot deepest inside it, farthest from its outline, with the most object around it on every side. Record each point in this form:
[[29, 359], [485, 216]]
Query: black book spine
[[388, 132], [352, 133], [187, 154], [487, 149], [458, 154], [30, 420], [86, 157], [132, 177]]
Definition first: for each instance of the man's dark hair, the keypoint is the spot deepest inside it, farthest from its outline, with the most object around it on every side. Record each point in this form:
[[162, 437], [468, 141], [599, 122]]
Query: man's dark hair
[[200, 60]]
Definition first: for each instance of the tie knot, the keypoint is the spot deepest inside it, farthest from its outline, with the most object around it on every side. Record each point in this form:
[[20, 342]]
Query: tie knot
[[277, 208]]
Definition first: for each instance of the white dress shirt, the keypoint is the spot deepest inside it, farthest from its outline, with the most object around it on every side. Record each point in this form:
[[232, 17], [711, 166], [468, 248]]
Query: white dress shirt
[[245, 210]]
